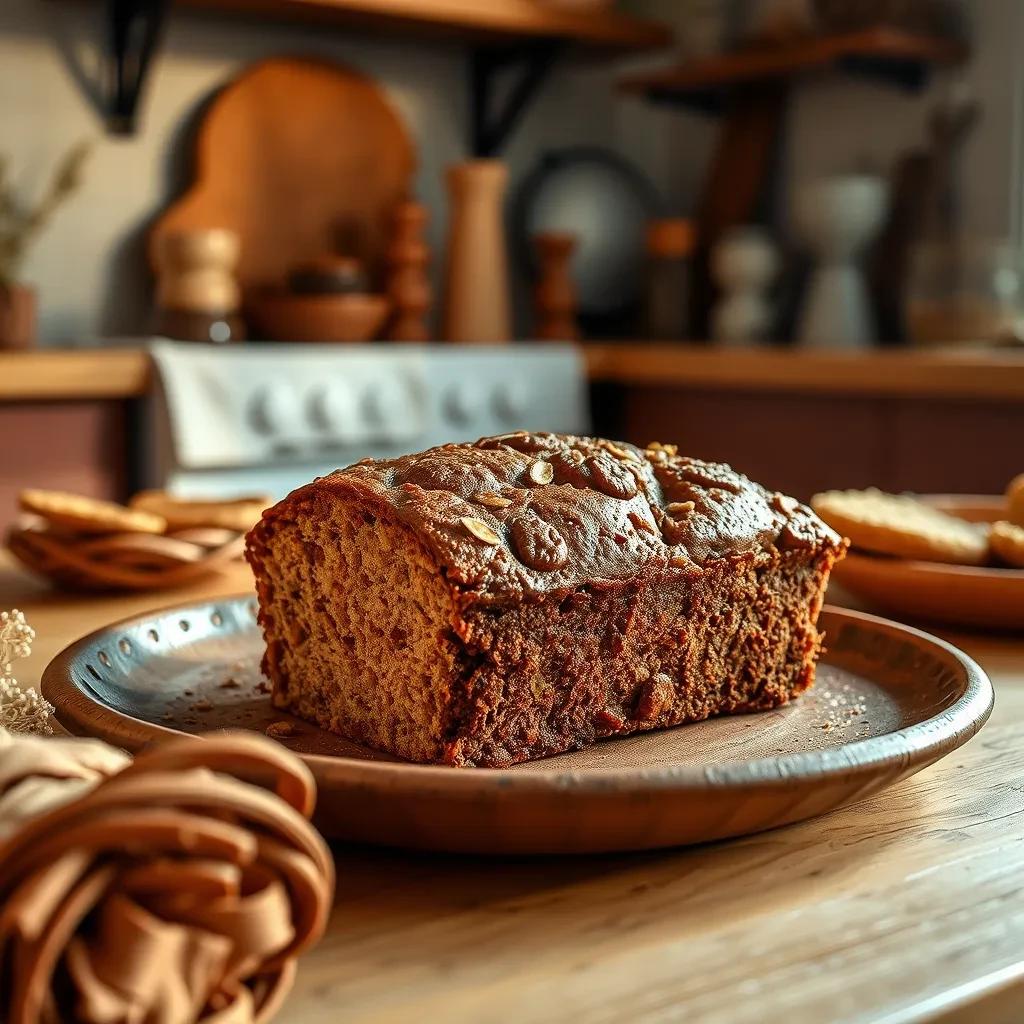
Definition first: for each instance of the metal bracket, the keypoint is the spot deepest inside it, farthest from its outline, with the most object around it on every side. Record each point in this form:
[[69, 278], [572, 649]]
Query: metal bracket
[[490, 129], [135, 27]]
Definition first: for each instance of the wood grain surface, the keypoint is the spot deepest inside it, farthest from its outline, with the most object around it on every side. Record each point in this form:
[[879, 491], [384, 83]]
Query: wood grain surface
[[906, 907]]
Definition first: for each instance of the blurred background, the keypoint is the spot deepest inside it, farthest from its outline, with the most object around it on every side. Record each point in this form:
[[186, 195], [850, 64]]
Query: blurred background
[[243, 242]]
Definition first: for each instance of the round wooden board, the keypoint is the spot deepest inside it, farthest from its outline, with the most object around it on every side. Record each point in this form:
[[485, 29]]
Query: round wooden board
[[959, 595], [295, 187], [889, 700]]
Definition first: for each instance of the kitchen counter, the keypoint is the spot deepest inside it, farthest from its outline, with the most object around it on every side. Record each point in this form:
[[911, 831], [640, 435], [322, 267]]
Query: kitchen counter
[[122, 373], [906, 907]]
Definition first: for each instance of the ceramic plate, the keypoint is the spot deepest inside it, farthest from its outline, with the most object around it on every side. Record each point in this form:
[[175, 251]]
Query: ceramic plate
[[889, 700], [958, 595]]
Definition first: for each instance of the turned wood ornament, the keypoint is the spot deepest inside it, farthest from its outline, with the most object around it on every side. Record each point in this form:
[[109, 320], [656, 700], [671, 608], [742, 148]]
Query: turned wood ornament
[[555, 294], [477, 306], [408, 284]]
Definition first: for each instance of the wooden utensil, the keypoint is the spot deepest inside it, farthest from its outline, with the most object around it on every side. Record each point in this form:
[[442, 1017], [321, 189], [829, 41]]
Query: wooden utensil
[[296, 156], [889, 700]]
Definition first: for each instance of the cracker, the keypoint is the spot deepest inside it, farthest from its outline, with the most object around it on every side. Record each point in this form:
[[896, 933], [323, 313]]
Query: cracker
[[1007, 540], [240, 514], [79, 514], [1015, 500], [901, 525]]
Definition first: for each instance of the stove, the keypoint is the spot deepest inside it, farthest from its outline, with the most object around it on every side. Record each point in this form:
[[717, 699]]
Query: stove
[[267, 418]]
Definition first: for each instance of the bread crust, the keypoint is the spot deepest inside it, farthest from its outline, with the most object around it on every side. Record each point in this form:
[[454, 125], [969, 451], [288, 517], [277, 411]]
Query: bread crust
[[588, 588]]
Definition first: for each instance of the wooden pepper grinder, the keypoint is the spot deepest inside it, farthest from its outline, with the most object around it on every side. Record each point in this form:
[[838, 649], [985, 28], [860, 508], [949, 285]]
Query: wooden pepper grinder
[[408, 285], [554, 296], [197, 295]]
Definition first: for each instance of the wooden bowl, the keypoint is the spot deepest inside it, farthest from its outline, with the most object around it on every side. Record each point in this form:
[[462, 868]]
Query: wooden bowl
[[281, 316], [123, 561]]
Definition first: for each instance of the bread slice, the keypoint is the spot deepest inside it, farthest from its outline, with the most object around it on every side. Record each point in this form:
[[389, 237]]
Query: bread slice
[[530, 594]]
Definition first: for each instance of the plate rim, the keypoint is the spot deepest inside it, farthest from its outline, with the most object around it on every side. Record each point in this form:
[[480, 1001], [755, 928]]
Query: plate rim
[[921, 743], [922, 567]]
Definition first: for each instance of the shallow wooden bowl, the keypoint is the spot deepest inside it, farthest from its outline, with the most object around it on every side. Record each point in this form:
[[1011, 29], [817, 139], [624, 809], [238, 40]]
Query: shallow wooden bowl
[[282, 316], [959, 595], [123, 561], [889, 700]]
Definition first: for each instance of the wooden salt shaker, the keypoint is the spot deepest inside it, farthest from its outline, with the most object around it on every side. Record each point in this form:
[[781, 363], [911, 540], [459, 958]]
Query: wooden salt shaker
[[555, 294], [408, 285]]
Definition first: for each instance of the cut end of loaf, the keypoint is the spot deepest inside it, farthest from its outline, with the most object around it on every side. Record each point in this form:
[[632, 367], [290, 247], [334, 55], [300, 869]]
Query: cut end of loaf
[[358, 629]]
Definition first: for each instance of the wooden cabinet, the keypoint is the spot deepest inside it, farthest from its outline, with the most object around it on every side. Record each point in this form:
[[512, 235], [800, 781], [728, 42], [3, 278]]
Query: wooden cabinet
[[801, 443]]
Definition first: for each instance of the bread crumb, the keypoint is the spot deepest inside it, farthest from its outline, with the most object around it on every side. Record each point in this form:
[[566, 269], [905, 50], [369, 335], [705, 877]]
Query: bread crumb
[[280, 730]]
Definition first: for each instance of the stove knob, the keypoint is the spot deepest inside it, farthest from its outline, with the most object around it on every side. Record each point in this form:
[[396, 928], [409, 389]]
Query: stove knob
[[511, 401], [274, 410], [331, 410], [385, 406], [462, 403]]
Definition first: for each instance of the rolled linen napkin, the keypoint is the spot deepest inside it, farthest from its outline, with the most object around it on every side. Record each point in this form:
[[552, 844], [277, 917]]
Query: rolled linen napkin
[[167, 890]]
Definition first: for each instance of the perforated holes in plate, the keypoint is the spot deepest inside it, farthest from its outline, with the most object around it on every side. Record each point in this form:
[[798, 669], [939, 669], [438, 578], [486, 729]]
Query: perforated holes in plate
[[91, 669], [154, 636], [184, 625], [217, 619], [104, 659], [124, 646]]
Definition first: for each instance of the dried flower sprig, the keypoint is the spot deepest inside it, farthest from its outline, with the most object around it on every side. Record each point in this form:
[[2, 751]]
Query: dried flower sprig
[[21, 710], [19, 224]]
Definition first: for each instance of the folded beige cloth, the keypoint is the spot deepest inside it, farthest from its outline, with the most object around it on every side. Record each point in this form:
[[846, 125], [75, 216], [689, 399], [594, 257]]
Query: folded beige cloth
[[179, 887]]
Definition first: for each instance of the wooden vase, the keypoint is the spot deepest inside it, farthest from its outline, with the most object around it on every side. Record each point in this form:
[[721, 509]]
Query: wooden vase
[[17, 316], [476, 283]]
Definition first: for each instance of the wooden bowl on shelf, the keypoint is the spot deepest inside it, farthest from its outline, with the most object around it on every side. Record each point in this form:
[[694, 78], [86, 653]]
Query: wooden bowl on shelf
[[123, 561], [283, 316]]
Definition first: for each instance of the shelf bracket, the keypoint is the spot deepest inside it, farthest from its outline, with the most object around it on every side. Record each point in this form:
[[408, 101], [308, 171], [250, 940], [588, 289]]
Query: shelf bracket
[[494, 118], [134, 28]]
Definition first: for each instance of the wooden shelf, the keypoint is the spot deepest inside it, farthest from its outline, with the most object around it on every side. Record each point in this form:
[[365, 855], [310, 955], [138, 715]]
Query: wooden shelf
[[908, 373], [483, 20], [892, 53], [123, 373], [73, 374]]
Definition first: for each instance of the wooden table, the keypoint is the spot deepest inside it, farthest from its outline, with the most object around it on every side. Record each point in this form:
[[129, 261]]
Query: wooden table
[[906, 907]]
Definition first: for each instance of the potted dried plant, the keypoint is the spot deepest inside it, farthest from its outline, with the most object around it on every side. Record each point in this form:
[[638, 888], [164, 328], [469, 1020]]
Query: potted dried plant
[[19, 226]]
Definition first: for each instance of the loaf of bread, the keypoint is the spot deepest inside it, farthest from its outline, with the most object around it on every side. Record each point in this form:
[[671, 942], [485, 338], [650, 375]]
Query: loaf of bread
[[485, 604]]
